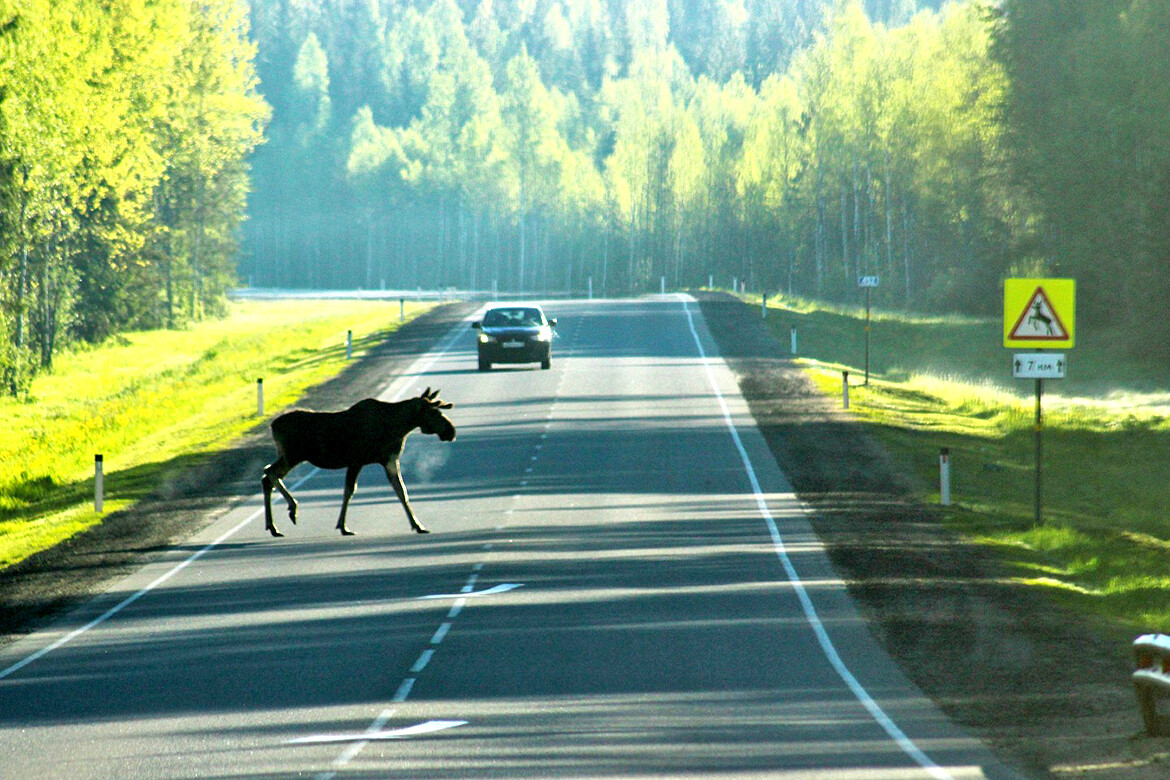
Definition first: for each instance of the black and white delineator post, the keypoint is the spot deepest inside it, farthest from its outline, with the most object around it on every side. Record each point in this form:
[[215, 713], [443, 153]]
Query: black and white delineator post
[[1151, 682], [99, 486], [944, 477]]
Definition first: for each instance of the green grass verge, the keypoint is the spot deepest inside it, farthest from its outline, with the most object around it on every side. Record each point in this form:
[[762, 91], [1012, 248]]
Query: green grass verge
[[152, 401], [1103, 546]]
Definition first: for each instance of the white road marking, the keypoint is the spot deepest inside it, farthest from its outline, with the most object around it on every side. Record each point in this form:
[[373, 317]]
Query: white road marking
[[420, 366], [121, 605], [403, 690], [441, 633], [810, 612], [429, 727], [423, 659], [493, 590]]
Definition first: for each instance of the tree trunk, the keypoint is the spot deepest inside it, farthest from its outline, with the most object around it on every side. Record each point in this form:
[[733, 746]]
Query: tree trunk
[[845, 237], [22, 275]]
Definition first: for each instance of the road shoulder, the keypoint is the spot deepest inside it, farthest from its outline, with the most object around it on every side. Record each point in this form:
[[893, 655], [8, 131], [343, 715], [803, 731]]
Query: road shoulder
[[1049, 691], [192, 495]]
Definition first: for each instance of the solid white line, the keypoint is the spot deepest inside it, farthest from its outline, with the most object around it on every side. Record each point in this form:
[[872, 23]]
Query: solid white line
[[810, 612], [411, 373], [121, 605]]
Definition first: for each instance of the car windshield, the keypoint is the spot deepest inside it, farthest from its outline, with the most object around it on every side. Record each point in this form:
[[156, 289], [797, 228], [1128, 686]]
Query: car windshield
[[513, 318]]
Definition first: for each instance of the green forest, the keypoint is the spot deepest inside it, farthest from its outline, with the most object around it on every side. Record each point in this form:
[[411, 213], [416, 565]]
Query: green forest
[[125, 128], [154, 153]]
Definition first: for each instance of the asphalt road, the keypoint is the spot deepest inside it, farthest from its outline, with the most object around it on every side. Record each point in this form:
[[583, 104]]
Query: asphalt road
[[618, 582]]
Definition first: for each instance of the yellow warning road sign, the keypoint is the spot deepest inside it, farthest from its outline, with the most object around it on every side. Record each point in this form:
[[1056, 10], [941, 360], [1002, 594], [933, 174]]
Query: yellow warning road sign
[[1039, 313]]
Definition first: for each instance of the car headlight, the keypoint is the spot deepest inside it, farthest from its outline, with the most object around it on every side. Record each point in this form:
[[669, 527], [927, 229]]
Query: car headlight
[[486, 339], [544, 334]]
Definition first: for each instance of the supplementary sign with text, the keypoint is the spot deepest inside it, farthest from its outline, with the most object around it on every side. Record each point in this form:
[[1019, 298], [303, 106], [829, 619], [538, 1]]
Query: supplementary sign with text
[[1038, 365]]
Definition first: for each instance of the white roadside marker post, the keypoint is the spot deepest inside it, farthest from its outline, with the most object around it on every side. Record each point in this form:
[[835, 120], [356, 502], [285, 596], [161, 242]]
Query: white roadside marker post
[[944, 477], [99, 487]]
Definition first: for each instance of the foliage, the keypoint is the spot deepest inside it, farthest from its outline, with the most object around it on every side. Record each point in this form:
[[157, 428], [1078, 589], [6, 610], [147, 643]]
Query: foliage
[[1090, 149], [538, 145], [124, 130]]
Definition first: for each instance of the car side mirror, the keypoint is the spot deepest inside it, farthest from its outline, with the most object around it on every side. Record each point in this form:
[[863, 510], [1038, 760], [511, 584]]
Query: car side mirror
[[552, 322], [477, 325]]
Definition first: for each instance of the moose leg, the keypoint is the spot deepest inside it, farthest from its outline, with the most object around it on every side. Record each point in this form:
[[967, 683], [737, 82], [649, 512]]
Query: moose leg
[[273, 476], [400, 489], [351, 475]]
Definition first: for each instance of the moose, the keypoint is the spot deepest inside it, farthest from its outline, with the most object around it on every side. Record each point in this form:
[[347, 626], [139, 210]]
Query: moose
[[370, 431]]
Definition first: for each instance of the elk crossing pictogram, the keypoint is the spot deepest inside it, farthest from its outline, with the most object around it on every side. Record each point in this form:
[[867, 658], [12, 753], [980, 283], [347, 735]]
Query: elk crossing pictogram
[[1039, 313], [1039, 320]]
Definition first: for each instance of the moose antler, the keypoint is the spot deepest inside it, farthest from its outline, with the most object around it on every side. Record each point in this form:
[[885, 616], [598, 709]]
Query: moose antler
[[432, 398]]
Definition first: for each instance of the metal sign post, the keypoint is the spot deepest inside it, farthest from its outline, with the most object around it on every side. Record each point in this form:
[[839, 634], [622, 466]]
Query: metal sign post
[[1040, 314], [867, 283], [1039, 446]]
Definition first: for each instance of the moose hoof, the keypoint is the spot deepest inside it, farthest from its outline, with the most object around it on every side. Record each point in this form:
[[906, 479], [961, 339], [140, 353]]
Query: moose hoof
[[292, 515], [345, 532], [418, 529], [272, 530]]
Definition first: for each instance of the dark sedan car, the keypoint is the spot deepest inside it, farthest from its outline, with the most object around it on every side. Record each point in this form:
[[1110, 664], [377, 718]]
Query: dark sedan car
[[515, 334]]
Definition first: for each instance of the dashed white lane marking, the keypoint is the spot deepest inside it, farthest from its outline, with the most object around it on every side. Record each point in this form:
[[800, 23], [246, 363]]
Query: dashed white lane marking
[[424, 658], [441, 633], [810, 612], [403, 691]]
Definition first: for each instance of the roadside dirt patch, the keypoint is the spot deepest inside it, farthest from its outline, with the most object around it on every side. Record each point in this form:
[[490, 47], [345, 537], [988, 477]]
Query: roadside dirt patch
[[1050, 692]]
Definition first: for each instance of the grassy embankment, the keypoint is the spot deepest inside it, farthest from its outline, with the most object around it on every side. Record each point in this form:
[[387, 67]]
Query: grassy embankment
[[1103, 545], [156, 401]]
